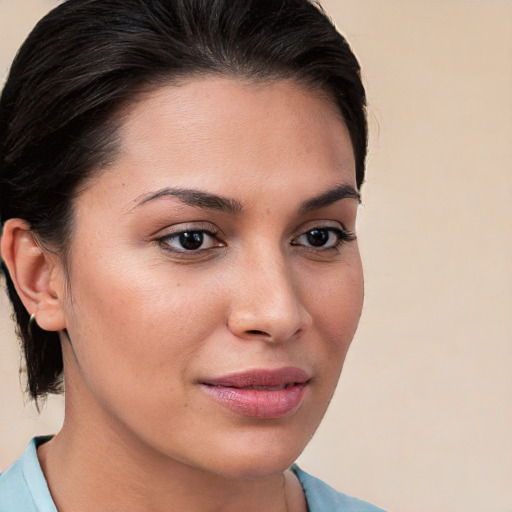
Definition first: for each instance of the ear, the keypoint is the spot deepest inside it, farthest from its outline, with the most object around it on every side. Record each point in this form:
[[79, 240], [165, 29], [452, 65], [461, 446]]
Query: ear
[[36, 273]]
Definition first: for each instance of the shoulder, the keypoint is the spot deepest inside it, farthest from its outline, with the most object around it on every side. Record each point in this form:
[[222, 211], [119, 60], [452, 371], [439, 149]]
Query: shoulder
[[22, 485], [323, 498]]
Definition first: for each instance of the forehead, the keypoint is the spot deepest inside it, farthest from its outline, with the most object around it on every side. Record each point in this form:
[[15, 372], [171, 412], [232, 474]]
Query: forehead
[[220, 133]]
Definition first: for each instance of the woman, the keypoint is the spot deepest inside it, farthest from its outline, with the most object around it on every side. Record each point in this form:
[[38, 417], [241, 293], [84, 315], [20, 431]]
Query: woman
[[179, 189]]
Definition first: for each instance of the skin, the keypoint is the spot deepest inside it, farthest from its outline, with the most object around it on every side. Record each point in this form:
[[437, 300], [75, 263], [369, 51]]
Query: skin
[[148, 322]]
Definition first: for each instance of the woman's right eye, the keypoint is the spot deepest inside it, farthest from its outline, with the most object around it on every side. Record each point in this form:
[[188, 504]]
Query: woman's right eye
[[189, 241]]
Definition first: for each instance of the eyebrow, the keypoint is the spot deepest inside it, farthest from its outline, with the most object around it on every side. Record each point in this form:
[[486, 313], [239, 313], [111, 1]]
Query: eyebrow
[[194, 197], [343, 191]]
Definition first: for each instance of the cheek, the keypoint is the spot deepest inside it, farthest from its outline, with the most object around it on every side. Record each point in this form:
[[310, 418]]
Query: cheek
[[141, 324], [337, 297], [335, 304]]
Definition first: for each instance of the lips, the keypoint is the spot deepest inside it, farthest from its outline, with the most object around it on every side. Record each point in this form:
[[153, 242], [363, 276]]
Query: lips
[[260, 393]]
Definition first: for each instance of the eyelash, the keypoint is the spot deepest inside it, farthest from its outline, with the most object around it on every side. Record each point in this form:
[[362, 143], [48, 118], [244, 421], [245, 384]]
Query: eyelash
[[342, 235], [164, 241]]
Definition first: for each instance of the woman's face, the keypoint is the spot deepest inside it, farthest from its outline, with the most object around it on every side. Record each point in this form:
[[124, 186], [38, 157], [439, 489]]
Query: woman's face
[[214, 282]]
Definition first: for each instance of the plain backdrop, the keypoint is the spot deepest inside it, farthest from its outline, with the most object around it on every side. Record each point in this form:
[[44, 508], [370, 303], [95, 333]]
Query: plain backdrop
[[421, 420]]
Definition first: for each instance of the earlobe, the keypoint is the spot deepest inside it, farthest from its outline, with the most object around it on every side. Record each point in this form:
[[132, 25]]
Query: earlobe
[[36, 273]]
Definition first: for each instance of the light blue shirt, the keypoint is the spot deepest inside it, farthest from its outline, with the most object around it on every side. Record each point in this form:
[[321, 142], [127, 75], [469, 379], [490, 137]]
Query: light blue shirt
[[23, 488]]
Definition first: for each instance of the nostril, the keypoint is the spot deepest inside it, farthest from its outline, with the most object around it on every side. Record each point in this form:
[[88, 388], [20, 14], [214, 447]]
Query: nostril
[[255, 331]]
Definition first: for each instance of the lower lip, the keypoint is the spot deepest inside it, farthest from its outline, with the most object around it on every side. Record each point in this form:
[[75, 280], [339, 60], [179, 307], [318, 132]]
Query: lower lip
[[259, 403]]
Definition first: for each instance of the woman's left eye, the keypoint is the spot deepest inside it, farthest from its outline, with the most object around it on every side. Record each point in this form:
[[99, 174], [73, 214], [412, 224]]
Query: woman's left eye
[[190, 241], [323, 238]]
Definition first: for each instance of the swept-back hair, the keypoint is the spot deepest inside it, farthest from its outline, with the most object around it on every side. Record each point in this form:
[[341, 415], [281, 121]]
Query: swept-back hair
[[87, 59]]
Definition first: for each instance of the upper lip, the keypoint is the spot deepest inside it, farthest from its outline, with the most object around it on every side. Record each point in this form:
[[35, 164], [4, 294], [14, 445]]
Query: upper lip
[[261, 377]]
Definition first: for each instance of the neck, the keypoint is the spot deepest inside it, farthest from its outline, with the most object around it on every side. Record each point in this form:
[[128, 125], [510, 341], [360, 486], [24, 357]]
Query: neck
[[96, 460], [86, 469]]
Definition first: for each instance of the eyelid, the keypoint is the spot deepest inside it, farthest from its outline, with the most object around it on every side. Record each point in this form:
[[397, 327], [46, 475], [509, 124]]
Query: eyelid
[[181, 227], [165, 238], [343, 235], [322, 224]]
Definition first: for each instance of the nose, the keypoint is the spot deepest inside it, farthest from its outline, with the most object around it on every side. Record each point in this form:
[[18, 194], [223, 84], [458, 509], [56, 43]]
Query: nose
[[266, 302]]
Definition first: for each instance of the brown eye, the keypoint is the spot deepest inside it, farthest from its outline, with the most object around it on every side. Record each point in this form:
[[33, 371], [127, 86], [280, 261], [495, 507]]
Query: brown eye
[[191, 240], [318, 237], [324, 238]]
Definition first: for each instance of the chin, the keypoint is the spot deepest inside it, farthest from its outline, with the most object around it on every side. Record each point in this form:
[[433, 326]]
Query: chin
[[253, 468], [258, 456]]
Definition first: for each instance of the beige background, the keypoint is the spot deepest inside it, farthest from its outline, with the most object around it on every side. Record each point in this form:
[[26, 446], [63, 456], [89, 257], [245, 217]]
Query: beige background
[[421, 420]]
